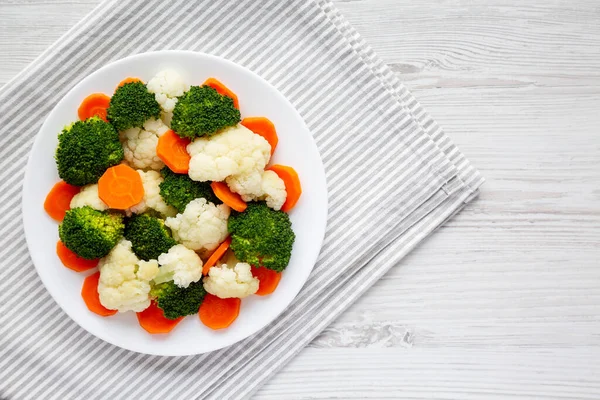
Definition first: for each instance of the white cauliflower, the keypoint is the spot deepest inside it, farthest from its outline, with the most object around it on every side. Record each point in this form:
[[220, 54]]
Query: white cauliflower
[[272, 190], [139, 145], [201, 226], [152, 198], [88, 196], [248, 185], [124, 279], [181, 265], [225, 282], [147, 270], [235, 152], [167, 85]]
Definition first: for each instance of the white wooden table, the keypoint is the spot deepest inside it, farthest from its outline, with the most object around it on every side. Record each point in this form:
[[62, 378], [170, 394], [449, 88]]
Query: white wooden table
[[504, 301]]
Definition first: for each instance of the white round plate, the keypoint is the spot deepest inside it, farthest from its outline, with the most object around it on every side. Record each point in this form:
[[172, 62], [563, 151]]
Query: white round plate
[[296, 148]]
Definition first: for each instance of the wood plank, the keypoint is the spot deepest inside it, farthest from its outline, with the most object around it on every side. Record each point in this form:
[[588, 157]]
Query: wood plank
[[28, 27], [449, 374]]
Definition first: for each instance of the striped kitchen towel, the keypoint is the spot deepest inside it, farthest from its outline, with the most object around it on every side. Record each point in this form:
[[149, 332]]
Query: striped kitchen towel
[[393, 177]]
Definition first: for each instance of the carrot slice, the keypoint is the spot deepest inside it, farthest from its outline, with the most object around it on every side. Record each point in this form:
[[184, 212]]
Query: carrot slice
[[216, 255], [90, 295], [120, 187], [217, 313], [233, 200], [72, 260], [172, 150], [96, 104], [292, 185], [58, 201], [223, 90], [153, 320], [268, 280], [264, 127], [128, 80]]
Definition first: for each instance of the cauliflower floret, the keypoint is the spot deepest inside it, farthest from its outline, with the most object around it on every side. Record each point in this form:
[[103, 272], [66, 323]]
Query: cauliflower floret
[[124, 279], [156, 126], [233, 151], [201, 226], [181, 265], [152, 198], [225, 282], [167, 85], [139, 145], [147, 270], [88, 196], [238, 156], [271, 189], [248, 185]]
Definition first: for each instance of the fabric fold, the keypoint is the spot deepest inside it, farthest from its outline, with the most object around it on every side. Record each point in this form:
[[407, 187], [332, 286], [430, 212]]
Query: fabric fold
[[405, 98]]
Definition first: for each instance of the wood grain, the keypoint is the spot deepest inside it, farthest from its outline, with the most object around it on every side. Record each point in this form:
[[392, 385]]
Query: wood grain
[[448, 374], [504, 301]]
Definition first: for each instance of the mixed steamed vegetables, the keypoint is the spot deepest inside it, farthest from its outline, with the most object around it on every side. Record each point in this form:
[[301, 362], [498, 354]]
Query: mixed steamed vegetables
[[169, 194]]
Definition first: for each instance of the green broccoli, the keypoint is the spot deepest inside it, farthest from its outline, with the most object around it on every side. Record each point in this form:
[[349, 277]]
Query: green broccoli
[[149, 236], [90, 233], [261, 236], [178, 302], [86, 149], [203, 111], [131, 106], [178, 190]]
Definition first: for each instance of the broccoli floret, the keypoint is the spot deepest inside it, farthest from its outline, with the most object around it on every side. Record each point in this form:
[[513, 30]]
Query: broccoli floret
[[203, 111], [178, 190], [178, 302], [149, 236], [131, 106], [90, 233], [261, 236], [86, 149]]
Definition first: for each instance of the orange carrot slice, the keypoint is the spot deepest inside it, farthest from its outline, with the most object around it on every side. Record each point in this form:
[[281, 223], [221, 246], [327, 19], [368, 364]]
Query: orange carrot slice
[[223, 90], [58, 201], [268, 280], [216, 255], [128, 80], [72, 260], [233, 200], [172, 150], [264, 127], [90, 295], [96, 104], [217, 313], [153, 320], [292, 185], [120, 187]]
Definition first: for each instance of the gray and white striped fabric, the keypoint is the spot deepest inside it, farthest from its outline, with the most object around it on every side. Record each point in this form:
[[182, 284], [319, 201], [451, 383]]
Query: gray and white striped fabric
[[393, 177]]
